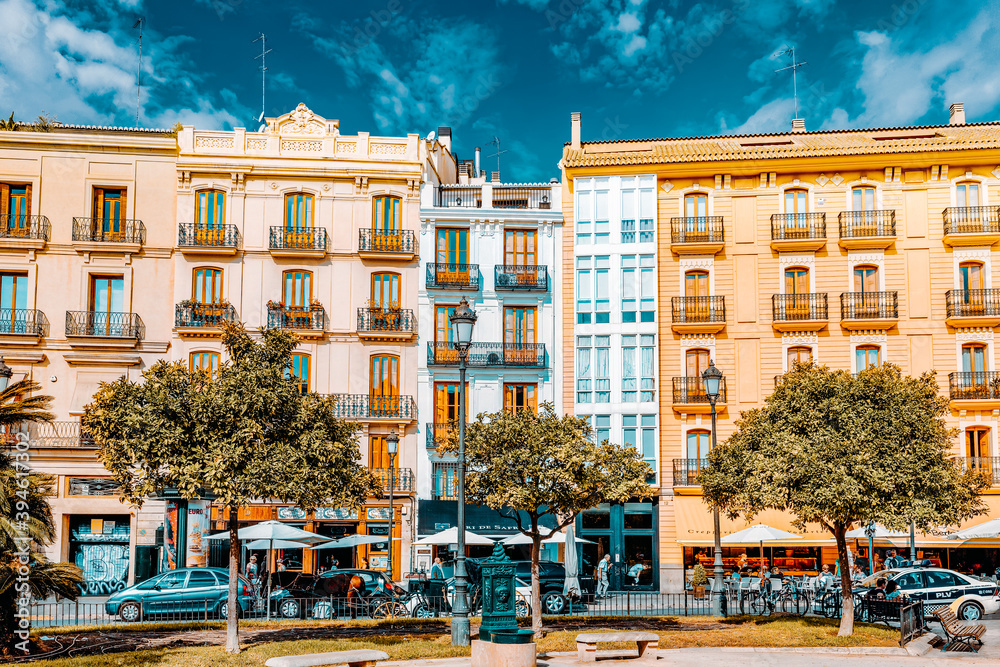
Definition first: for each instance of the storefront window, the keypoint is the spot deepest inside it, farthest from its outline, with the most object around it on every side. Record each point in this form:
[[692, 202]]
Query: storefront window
[[99, 546], [628, 533]]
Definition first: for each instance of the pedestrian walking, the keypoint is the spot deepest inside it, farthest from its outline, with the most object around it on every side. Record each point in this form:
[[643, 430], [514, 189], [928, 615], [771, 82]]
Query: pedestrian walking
[[437, 569], [602, 575]]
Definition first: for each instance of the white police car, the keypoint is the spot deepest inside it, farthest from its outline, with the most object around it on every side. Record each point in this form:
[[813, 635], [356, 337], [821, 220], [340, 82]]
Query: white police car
[[970, 598]]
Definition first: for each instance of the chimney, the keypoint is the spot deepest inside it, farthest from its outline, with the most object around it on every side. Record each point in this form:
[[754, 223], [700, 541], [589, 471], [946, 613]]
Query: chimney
[[574, 119], [957, 114], [444, 137], [798, 125], [476, 175]]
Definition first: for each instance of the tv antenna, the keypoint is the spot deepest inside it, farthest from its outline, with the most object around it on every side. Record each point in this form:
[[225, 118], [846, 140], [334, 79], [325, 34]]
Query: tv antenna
[[139, 23], [263, 70], [496, 142], [795, 69]]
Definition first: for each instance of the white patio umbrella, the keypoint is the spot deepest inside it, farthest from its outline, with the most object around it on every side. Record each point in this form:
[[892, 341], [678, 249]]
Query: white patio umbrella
[[881, 533], [571, 587], [274, 544], [987, 530], [758, 534], [450, 536], [352, 541], [558, 538]]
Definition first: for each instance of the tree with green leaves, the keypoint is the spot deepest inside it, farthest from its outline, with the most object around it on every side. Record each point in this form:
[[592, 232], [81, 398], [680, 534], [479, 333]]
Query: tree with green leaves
[[241, 432], [546, 465], [26, 523], [842, 451]]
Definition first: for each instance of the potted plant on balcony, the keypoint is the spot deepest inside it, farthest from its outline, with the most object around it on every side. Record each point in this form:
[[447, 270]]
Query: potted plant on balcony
[[186, 312], [698, 581]]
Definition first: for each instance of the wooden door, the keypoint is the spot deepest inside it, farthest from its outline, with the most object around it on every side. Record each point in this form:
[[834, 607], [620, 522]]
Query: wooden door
[[519, 335]]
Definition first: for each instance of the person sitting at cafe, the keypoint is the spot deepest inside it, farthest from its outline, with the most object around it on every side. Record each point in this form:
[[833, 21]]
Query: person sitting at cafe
[[877, 593], [892, 591], [825, 578], [857, 574]]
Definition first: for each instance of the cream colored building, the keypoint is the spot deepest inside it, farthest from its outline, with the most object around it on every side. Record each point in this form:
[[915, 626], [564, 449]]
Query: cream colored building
[[86, 238], [853, 247]]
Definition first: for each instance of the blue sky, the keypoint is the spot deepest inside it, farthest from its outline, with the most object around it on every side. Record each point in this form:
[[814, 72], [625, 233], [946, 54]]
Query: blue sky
[[508, 68]]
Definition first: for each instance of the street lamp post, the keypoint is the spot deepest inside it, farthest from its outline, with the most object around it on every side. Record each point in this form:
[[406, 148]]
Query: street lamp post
[[462, 322], [5, 373], [712, 379], [392, 444]]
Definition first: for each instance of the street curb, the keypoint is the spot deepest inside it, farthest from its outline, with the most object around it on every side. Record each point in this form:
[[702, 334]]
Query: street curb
[[835, 650], [921, 645]]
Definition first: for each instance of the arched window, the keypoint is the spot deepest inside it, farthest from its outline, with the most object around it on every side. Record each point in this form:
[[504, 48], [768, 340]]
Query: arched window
[[210, 209], [967, 194], [970, 274], [863, 198], [385, 291], [208, 361], [698, 444], [797, 280], [299, 369], [206, 285], [865, 278], [800, 354], [696, 361], [796, 207], [696, 283], [977, 444], [297, 291], [974, 358], [298, 212], [696, 211], [867, 356]]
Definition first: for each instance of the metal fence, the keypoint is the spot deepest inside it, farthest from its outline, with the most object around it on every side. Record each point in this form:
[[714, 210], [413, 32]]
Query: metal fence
[[972, 220], [18, 226], [191, 235], [109, 230], [912, 621]]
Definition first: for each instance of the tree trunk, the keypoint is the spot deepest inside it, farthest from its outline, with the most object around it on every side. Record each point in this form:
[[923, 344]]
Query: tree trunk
[[232, 623], [536, 596], [847, 620]]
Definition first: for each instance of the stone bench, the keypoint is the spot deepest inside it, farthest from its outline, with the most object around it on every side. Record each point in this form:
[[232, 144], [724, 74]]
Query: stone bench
[[586, 644], [359, 658]]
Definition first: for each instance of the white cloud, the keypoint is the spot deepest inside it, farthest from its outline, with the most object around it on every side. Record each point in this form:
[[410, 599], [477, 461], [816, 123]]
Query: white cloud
[[775, 116], [80, 66]]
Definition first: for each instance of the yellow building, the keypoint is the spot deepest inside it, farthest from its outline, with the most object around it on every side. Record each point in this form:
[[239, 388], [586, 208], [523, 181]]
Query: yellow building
[[853, 248]]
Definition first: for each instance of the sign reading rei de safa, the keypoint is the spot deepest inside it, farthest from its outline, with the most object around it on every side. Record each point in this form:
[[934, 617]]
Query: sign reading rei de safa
[[437, 515]]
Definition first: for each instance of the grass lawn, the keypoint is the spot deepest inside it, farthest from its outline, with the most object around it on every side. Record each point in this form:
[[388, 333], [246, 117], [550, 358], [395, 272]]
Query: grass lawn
[[776, 632]]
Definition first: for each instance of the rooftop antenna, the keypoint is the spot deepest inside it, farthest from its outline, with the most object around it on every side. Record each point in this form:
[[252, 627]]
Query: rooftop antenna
[[496, 142], [795, 68], [263, 70], [139, 23]]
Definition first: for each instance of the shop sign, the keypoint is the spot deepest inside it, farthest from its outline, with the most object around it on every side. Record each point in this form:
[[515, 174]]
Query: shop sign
[[339, 513], [379, 562], [291, 513], [197, 530], [378, 513]]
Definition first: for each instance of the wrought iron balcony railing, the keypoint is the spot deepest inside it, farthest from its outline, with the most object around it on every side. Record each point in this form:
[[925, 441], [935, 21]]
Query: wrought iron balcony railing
[[377, 320], [863, 224], [308, 238], [371, 240], [524, 355], [453, 276], [190, 235], [445, 481], [988, 465], [438, 433], [869, 306], [974, 385], [972, 302], [703, 229], [793, 226], [521, 277], [372, 406], [109, 230], [403, 479], [61, 434], [203, 315], [972, 220], [695, 309], [691, 389], [686, 471], [792, 307], [16, 226], [303, 318], [22, 322], [105, 325], [522, 197], [461, 196]]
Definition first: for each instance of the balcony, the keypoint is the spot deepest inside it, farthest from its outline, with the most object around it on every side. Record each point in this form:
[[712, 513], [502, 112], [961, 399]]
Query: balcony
[[445, 481], [305, 242], [403, 479], [439, 433], [453, 276], [698, 314], [306, 321], [89, 324], [512, 196], [459, 197], [538, 197], [202, 320], [367, 407], [30, 232], [58, 435], [387, 246], [686, 471], [803, 232], [697, 235], [799, 312], [987, 465], [971, 225], [521, 277], [869, 310], [510, 355], [867, 229], [973, 307], [388, 325], [22, 325], [689, 396], [978, 390], [108, 235], [219, 240]]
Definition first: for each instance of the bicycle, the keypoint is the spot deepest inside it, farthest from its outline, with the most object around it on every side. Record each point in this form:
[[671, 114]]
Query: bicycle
[[792, 599]]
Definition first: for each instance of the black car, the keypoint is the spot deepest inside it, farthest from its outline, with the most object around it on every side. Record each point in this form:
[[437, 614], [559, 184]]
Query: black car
[[551, 578]]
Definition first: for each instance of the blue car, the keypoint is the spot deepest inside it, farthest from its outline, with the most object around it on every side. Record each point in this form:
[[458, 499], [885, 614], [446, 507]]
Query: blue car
[[190, 592]]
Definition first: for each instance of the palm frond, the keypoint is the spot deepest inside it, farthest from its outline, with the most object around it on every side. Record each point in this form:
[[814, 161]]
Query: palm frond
[[17, 405]]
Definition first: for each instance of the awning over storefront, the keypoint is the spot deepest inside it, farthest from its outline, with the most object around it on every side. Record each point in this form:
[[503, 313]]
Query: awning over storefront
[[695, 527], [437, 515]]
